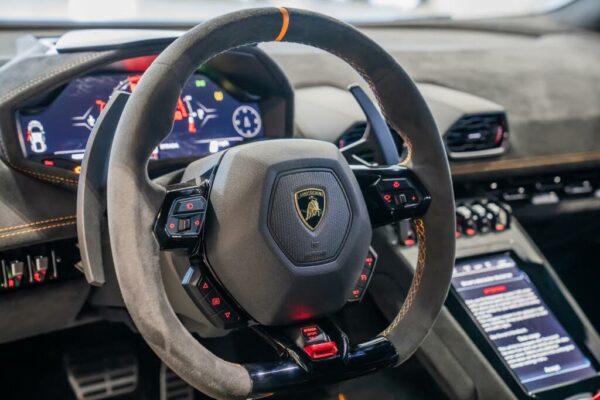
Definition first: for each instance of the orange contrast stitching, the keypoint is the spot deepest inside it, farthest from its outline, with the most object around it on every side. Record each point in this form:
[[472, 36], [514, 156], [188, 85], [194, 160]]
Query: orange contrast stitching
[[416, 283], [15, 227], [285, 15], [37, 229]]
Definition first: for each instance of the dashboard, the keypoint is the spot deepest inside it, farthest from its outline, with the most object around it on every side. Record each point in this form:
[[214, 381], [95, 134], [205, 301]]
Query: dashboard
[[207, 119], [551, 166]]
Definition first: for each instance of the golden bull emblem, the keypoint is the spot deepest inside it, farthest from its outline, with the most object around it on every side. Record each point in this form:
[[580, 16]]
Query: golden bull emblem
[[310, 205]]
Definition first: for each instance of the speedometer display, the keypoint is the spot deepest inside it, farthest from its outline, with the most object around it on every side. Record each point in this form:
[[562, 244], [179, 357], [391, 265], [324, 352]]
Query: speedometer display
[[207, 119]]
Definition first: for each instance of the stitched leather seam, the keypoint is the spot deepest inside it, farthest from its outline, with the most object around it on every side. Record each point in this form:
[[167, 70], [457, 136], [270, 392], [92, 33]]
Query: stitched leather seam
[[37, 229], [30, 84], [30, 224], [416, 283]]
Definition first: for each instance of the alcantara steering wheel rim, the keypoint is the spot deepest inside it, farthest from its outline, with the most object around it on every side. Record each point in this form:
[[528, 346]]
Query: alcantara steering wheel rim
[[133, 200]]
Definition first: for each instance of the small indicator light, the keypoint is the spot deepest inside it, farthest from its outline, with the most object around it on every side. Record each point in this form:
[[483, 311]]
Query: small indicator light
[[227, 314], [396, 184], [49, 163], [363, 277], [77, 169], [387, 197], [200, 83], [218, 95], [189, 205], [101, 104], [215, 301], [409, 242], [310, 332]]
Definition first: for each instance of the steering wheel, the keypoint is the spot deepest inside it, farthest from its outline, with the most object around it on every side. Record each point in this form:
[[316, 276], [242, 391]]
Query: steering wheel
[[277, 232]]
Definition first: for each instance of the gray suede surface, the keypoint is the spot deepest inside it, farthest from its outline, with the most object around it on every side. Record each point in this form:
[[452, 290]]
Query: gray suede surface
[[549, 83], [133, 200]]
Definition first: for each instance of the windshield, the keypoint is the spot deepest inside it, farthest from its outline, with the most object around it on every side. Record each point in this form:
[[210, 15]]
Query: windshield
[[194, 11]]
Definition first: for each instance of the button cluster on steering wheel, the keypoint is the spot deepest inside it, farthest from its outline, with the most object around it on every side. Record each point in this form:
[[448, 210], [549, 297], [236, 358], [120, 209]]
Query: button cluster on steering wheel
[[181, 219], [365, 277], [398, 193], [393, 193], [210, 299]]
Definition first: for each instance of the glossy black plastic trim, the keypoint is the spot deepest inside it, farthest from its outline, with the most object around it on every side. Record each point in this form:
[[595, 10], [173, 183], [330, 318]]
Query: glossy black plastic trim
[[380, 214], [297, 371], [174, 194]]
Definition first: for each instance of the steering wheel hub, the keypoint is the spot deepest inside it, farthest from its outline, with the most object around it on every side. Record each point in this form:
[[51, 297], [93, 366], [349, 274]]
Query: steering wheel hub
[[288, 230]]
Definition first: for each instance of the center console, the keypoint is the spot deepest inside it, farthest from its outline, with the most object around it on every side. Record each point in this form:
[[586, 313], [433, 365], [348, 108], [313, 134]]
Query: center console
[[510, 329], [517, 316]]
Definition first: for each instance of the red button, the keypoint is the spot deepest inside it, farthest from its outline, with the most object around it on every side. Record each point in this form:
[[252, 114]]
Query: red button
[[396, 184], [310, 332], [319, 351], [216, 302], [228, 316]]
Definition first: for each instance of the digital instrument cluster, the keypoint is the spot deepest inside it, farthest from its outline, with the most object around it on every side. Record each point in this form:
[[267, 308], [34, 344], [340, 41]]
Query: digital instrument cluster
[[207, 119]]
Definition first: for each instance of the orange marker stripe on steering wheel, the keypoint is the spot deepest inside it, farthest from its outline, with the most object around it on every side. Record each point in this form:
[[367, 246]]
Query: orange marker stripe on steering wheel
[[285, 15]]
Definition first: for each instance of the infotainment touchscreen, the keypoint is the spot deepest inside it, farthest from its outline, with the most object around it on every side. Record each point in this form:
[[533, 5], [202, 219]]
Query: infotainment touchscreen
[[524, 331]]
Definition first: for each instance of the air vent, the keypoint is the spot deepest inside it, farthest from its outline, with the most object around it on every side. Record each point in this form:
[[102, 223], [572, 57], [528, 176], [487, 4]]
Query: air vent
[[356, 131], [480, 135]]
